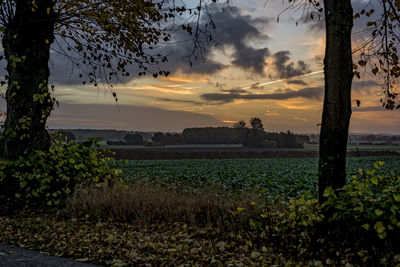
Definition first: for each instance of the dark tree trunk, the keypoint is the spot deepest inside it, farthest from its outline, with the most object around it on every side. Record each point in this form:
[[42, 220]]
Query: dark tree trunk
[[337, 103], [27, 39]]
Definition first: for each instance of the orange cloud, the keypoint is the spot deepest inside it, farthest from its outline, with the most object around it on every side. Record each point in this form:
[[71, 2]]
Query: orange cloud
[[300, 118], [299, 105], [229, 122], [182, 79], [158, 88], [271, 113]]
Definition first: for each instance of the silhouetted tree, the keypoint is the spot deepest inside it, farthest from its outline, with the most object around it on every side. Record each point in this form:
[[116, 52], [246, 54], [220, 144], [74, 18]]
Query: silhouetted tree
[[256, 124], [240, 124], [134, 139]]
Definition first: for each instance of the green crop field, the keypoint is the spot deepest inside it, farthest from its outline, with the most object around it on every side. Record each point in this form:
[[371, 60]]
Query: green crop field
[[284, 176]]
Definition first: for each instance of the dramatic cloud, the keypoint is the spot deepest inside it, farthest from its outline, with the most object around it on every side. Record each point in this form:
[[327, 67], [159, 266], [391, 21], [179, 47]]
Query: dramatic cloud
[[235, 91], [314, 93], [163, 99], [233, 30], [286, 68], [297, 82]]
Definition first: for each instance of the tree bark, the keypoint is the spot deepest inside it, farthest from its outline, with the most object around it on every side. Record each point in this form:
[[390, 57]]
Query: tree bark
[[26, 42], [337, 103]]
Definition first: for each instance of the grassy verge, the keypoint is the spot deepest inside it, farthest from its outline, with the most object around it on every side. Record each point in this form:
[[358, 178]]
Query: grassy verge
[[158, 225]]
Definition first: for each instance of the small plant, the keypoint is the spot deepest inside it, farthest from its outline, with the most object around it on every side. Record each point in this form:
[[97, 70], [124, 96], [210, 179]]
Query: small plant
[[46, 179]]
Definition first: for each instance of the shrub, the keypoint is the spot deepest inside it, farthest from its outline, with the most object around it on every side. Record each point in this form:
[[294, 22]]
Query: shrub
[[367, 209], [64, 135], [46, 179]]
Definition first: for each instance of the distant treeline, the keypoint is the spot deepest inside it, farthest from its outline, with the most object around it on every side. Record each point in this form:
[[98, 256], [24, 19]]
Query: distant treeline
[[245, 136], [211, 135], [239, 134]]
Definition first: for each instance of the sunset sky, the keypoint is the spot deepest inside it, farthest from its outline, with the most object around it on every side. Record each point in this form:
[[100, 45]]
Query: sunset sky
[[261, 68]]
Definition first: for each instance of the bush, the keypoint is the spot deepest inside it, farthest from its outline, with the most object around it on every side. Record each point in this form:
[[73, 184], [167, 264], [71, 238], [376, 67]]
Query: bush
[[64, 135], [367, 209], [360, 221], [46, 179]]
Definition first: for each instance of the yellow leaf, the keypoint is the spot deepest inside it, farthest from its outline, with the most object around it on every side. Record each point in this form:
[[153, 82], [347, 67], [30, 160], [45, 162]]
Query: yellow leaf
[[378, 212]]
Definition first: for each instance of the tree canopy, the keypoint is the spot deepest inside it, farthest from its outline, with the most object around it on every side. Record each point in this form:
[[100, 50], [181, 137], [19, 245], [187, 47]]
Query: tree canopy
[[101, 38]]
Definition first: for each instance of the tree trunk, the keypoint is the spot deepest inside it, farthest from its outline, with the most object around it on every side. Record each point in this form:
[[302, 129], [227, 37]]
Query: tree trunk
[[26, 42], [337, 103]]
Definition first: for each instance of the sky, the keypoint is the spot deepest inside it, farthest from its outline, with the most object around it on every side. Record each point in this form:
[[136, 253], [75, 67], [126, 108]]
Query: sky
[[260, 68]]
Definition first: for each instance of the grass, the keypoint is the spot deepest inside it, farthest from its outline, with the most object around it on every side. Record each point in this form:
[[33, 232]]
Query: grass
[[144, 203]]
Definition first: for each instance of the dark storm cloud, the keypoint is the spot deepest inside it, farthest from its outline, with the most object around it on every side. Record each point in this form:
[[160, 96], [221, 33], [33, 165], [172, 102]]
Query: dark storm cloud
[[233, 30], [314, 93], [286, 68], [297, 82], [235, 91], [163, 99], [250, 58]]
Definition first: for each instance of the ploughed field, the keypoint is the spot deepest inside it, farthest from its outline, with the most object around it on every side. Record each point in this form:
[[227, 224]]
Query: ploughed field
[[286, 177], [236, 152]]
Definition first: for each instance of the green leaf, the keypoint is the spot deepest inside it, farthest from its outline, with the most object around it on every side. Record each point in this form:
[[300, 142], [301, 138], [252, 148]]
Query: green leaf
[[366, 226], [378, 212], [379, 227], [378, 164]]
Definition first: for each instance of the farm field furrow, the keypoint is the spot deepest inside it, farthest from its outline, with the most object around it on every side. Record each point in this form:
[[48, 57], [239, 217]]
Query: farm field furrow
[[287, 177]]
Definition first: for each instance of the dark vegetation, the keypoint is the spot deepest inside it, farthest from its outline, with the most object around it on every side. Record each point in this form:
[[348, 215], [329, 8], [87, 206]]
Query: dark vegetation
[[73, 201]]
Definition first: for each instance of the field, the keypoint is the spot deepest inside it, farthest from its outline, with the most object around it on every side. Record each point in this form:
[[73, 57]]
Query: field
[[307, 147], [362, 147], [274, 177]]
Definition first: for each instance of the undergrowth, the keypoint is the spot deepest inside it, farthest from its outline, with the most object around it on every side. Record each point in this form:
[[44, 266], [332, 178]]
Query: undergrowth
[[91, 215], [45, 179]]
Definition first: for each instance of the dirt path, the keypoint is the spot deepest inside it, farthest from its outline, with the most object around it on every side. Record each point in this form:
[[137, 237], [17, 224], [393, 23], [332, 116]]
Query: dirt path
[[17, 257]]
